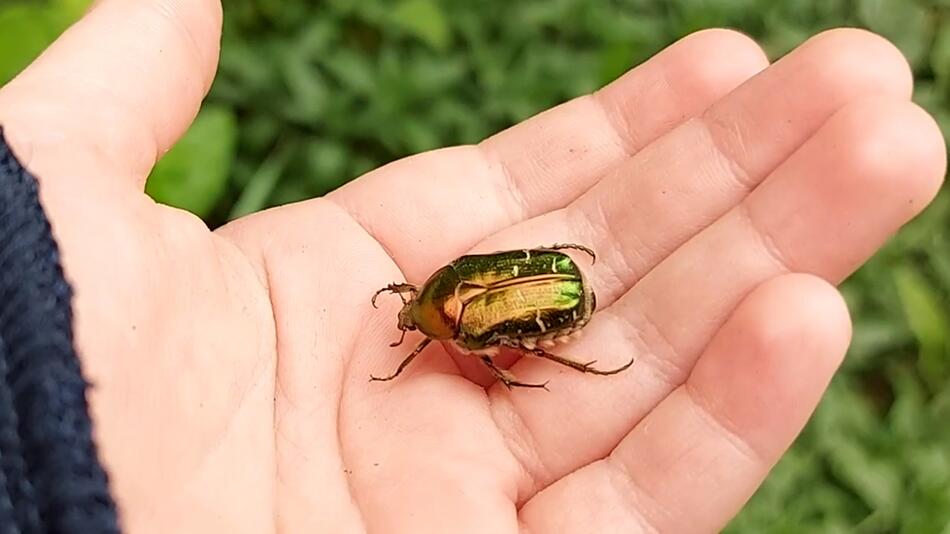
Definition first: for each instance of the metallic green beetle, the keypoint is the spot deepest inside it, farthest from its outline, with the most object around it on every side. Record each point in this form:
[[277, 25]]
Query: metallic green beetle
[[522, 299]]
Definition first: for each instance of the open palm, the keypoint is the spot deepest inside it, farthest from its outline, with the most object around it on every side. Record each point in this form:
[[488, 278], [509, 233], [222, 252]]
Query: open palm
[[230, 368]]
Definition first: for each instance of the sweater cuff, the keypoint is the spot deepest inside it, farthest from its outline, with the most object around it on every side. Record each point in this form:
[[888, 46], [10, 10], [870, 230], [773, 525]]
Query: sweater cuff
[[51, 478]]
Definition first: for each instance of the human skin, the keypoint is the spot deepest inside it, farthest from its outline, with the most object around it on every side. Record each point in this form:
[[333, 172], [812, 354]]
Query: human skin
[[726, 199]]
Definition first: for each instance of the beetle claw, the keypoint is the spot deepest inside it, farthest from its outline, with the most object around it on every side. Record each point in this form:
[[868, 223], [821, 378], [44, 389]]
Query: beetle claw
[[574, 246], [507, 378], [376, 295], [511, 384]]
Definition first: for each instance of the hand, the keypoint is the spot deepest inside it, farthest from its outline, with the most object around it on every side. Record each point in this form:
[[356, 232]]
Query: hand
[[230, 368]]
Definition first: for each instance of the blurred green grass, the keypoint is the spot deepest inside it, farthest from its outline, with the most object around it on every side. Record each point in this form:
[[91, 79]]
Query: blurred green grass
[[311, 94]]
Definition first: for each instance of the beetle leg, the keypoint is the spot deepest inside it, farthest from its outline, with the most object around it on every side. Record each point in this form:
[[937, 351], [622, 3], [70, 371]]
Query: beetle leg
[[507, 378], [397, 343], [404, 363], [582, 367], [573, 246], [398, 289]]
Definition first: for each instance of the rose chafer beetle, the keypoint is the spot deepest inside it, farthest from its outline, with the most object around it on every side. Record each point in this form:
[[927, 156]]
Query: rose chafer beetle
[[522, 299]]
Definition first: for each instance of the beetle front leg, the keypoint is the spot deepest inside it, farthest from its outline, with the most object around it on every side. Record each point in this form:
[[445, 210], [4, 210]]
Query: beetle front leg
[[582, 367], [401, 338], [398, 289], [404, 363], [507, 378]]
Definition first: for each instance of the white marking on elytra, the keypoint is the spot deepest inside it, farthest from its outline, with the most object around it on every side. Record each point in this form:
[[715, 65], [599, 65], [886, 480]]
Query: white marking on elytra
[[574, 314], [537, 319], [527, 254], [553, 265], [514, 271]]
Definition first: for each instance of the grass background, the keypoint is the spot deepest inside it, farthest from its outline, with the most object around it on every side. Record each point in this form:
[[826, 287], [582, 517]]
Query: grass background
[[310, 94]]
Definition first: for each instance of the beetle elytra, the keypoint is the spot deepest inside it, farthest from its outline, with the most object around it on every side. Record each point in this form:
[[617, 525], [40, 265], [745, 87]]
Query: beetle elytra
[[522, 299]]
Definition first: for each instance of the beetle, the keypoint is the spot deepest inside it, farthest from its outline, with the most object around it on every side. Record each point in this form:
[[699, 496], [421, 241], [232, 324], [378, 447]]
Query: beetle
[[527, 300]]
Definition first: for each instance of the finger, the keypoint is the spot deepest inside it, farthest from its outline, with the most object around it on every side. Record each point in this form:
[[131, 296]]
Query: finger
[[124, 82], [690, 177], [687, 179], [430, 208], [693, 462], [871, 167]]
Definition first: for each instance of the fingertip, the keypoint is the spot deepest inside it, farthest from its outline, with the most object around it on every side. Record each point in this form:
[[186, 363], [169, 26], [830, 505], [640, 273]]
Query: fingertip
[[704, 66], [897, 147], [914, 135], [719, 59], [864, 59], [798, 308], [124, 82], [682, 80], [766, 370]]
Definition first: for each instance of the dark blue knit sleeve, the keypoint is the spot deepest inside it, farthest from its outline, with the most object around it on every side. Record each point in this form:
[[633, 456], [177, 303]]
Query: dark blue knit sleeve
[[51, 479]]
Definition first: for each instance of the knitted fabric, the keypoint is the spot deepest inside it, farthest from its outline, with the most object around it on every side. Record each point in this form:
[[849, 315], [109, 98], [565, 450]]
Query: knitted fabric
[[51, 479]]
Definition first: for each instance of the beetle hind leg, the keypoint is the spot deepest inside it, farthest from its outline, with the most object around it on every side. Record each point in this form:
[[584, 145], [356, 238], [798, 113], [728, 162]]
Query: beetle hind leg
[[574, 246], [582, 367], [507, 378]]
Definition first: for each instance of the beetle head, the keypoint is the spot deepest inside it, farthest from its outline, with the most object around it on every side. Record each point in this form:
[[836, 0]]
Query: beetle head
[[405, 314]]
